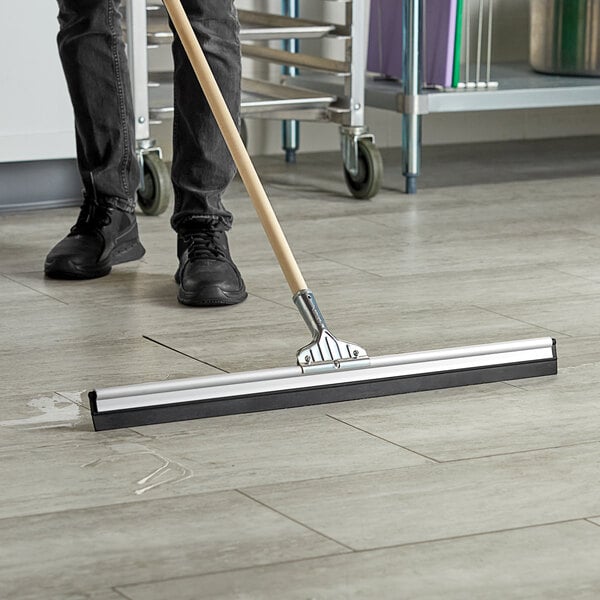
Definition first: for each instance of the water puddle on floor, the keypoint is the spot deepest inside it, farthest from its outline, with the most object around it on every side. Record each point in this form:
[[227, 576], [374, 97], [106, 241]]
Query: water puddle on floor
[[57, 411], [167, 471], [52, 412], [174, 472]]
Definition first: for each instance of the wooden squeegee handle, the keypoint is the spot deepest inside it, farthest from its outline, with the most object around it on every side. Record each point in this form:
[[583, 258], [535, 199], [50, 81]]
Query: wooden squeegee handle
[[234, 142]]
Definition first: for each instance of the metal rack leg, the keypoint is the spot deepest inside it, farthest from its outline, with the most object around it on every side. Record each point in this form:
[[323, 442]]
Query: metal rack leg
[[155, 191], [354, 87], [363, 165], [411, 120], [290, 129], [138, 66]]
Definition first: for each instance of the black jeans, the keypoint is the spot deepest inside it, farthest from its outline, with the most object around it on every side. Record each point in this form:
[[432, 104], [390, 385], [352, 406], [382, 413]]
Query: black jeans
[[92, 52]]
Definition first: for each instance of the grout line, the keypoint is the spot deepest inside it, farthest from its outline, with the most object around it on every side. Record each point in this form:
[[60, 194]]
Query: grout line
[[359, 552], [513, 385], [33, 289], [303, 525], [385, 440], [371, 220], [341, 264], [470, 535], [62, 395], [289, 307], [107, 504], [589, 520], [116, 590], [522, 321], [578, 276], [184, 354], [542, 449], [281, 563]]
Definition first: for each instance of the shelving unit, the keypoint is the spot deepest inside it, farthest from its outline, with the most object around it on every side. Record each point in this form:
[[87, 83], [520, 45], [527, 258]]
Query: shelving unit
[[519, 88], [281, 100]]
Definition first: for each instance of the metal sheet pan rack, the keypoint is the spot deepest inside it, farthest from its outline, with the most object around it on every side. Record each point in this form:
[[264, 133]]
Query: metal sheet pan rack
[[147, 27]]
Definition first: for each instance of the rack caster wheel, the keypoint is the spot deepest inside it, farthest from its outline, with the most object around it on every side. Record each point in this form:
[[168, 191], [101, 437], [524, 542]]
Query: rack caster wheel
[[366, 183], [157, 194]]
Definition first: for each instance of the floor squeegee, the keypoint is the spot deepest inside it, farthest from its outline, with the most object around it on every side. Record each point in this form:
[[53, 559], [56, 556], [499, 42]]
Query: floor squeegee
[[328, 369]]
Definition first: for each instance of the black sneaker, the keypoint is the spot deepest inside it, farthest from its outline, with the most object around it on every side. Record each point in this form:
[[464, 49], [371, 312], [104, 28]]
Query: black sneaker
[[102, 237], [207, 275]]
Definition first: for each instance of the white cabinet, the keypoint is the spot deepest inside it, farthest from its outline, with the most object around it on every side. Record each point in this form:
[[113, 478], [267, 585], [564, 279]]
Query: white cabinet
[[36, 119]]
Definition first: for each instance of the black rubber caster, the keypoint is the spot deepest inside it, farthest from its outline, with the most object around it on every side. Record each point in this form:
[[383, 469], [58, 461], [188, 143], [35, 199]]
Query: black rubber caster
[[366, 183], [157, 194]]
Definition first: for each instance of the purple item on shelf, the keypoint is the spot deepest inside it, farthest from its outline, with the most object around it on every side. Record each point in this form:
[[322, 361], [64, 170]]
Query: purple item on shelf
[[385, 40]]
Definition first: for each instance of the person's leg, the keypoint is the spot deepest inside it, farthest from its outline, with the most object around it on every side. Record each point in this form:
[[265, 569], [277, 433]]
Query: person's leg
[[92, 53], [202, 165]]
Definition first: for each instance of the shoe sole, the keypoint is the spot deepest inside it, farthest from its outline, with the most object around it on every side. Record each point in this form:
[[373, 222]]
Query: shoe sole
[[63, 268], [211, 297]]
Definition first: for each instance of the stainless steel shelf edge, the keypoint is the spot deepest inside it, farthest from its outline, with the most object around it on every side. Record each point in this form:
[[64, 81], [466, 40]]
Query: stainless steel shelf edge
[[520, 88], [265, 26], [258, 98], [254, 26], [306, 61]]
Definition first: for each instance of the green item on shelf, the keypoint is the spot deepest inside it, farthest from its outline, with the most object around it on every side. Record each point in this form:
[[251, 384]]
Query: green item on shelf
[[570, 33], [457, 43]]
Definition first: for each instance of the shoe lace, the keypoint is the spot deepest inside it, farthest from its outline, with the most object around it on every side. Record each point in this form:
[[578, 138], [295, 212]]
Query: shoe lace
[[204, 244], [92, 217]]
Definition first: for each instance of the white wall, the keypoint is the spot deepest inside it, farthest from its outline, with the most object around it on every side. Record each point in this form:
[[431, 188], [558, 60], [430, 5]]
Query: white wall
[[36, 119]]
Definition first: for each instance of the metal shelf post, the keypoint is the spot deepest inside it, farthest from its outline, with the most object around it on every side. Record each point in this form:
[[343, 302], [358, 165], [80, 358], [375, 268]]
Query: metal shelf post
[[290, 128], [412, 83]]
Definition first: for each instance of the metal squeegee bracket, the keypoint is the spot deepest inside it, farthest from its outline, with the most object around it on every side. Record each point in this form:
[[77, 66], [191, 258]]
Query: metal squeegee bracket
[[325, 352]]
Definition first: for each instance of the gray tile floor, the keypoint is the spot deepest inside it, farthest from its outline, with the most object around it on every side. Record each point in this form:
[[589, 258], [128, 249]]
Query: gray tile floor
[[482, 492]]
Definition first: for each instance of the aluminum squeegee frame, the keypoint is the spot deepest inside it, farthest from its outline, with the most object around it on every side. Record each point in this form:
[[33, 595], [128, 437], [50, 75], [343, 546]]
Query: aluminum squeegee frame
[[270, 389]]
